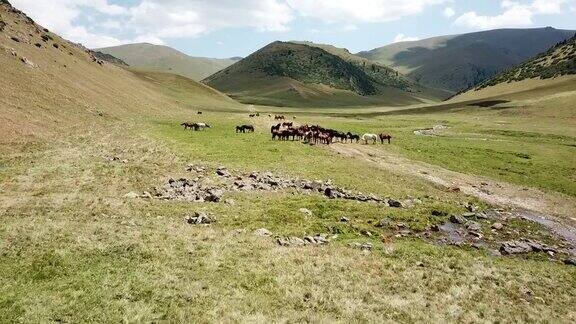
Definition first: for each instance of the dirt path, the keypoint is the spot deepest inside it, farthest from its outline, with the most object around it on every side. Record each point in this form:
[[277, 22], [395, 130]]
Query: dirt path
[[555, 211]]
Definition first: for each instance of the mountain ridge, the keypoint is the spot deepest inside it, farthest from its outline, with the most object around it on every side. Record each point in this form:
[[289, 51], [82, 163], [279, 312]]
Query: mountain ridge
[[457, 62], [163, 58]]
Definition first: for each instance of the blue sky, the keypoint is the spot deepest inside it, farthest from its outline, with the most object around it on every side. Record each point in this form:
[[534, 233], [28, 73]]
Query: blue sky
[[226, 28]]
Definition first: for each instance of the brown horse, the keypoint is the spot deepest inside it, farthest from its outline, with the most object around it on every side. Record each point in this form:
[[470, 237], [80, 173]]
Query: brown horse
[[187, 125], [384, 137]]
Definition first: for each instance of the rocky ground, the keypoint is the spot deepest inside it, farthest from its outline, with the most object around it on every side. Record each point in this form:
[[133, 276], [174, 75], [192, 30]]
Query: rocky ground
[[495, 230]]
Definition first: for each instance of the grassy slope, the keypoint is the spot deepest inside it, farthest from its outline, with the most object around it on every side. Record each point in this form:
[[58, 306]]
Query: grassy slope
[[462, 61], [166, 59], [75, 249]]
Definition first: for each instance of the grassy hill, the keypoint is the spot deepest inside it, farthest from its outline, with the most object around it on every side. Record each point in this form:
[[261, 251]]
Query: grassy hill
[[296, 74], [459, 62], [166, 59]]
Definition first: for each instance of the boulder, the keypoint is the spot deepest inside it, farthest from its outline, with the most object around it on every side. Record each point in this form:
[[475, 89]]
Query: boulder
[[223, 172], [395, 203], [570, 261], [457, 219], [305, 211], [473, 226], [214, 195], [497, 226], [199, 218], [515, 247], [291, 241], [262, 232], [131, 195]]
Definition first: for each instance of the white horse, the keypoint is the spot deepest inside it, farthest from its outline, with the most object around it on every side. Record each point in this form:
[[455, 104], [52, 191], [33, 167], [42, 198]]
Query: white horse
[[201, 126], [370, 137]]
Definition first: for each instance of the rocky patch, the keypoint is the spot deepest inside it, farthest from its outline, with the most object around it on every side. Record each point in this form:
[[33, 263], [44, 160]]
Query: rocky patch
[[199, 218], [202, 188], [524, 246], [361, 246], [308, 240]]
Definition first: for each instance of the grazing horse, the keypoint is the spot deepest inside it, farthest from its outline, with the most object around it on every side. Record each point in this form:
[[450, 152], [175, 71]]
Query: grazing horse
[[383, 137], [370, 137], [199, 113], [244, 129], [200, 126], [252, 115], [187, 125]]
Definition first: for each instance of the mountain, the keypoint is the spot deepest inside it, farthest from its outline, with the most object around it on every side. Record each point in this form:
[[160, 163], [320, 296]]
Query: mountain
[[558, 61], [459, 62], [550, 73], [166, 59], [290, 73]]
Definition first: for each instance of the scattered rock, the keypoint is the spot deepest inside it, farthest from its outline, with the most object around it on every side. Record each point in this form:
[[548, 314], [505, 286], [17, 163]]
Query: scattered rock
[[318, 239], [199, 218], [230, 202], [361, 246], [497, 226], [473, 226], [305, 211], [262, 232], [395, 203], [2, 25], [195, 168], [291, 241], [223, 172], [16, 39], [457, 219], [202, 188], [570, 261], [344, 219], [385, 222], [526, 246], [214, 195]]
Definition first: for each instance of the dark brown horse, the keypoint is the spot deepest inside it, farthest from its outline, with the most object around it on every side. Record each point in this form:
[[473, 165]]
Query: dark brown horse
[[244, 129], [384, 137], [187, 125]]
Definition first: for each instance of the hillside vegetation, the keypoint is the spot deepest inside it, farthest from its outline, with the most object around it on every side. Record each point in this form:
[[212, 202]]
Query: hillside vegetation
[[458, 62], [165, 59], [300, 73], [560, 60]]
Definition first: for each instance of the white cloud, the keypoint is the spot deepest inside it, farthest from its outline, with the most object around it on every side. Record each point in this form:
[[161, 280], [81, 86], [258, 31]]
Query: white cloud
[[448, 12], [333, 11], [154, 21], [515, 14], [403, 38]]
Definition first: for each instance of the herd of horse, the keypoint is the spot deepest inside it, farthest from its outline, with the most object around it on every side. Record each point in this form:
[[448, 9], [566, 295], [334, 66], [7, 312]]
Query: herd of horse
[[320, 135], [309, 134]]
